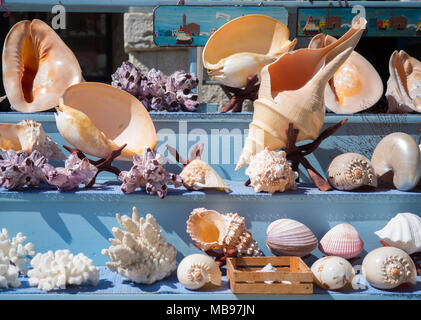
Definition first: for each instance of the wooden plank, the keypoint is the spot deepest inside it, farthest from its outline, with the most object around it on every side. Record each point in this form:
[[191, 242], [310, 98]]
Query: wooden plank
[[260, 261], [192, 26], [272, 276], [278, 288]]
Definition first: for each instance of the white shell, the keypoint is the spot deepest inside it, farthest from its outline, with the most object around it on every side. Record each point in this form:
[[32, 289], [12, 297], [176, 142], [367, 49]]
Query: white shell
[[342, 241], [196, 270], [268, 268], [332, 273], [403, 231], [8, 274], [388, 267]]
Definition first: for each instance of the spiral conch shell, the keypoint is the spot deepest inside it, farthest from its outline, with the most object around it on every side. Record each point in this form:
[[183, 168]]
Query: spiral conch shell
[[292, 91], [356, 85], [388, 267], [350, 171], [242, 46], [404, 85], [196, 270], [28, 136], [214, 231], [37, 66], [97, 118]]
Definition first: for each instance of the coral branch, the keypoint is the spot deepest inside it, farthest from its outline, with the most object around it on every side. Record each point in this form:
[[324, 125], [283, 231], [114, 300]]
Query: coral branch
[[237, 96]]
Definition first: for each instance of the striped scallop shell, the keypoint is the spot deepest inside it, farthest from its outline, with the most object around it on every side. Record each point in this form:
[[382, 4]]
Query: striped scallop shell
[[342, 241], [290, 237]]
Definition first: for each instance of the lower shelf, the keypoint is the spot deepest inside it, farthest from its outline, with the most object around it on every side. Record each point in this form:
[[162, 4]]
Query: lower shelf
[[112, 286]]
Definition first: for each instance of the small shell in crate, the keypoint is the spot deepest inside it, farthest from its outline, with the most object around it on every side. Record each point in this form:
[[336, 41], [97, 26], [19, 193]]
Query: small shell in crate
[[332, 273], [351, 171], [403, 231], [342, 241], [196, 270], [388, 267], [290, 237]]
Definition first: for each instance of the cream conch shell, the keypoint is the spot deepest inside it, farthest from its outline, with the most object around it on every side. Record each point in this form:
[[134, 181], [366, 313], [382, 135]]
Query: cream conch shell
[[388, 267], [292, 91], [196, 270], [356, 85], [242, 46], [397, 160], [404, 85], [97, 118], [37, 66], [28, 136], [332, 273]]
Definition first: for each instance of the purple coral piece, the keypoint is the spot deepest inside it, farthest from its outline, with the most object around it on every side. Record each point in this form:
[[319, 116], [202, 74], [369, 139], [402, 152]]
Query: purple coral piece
[[188, 100], [181, 80], [157, 77], [127, 77]]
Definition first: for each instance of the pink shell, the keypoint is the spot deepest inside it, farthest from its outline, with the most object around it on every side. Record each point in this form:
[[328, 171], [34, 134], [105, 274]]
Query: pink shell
[[342, 241]]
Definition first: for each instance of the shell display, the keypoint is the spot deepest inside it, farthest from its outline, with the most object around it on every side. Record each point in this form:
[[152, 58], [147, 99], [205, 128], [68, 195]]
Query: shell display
[[397, 160], [290, 237], [28, 136], [388, 267], [403, 231], [270, 171], [97, 118], [351, 171], [404, 85], [37, 66], [214, 231], [242, 46], [342, 241], [139, 252], [292, 91], [332, 273], [196, 270], [356, 85]]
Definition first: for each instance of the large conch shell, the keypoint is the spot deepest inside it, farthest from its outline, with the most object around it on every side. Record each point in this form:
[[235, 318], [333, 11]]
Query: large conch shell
[[404, 85], [97, 118], [37, 66], [292, 91], [243, 46], [356, 85], [28, 136], [196, 270]]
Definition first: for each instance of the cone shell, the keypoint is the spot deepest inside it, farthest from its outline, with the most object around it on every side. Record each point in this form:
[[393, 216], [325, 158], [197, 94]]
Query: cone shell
[[356, 85], [332, 273], [97, 118], [199, 175], [351, 171], [342, 241], [196, 270], [404, 85], [403, 231], [37, 66], [292, 91], [290, 237], [242, 46]]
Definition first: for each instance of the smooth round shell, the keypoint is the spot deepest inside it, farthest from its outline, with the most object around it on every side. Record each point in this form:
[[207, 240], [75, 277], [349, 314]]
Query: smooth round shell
[[196, 270], [290, 237], [342, 241], [332, 273], [388, 267]]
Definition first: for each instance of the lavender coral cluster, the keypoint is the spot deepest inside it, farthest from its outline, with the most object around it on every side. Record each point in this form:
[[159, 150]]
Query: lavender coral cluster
[[156, 92]]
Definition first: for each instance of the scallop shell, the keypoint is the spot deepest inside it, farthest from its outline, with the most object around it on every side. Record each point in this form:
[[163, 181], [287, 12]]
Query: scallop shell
[[196, 270], [97, 118], [404, 85], [290, 237], [332, 273], [403, 231], [37, 66], [242, 46], [292, 91], [356, 85], [342, 241], [199, 175], [270, 171], [214, 231], [351, 171], [388, 267], [28, 136]]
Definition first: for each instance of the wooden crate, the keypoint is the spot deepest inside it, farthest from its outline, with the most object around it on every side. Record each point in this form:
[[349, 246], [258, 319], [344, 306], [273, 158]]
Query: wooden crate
[[244, 278]]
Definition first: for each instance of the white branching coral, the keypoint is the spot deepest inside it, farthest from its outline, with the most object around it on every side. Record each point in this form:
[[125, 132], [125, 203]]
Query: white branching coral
[[53, 271], [15, 251], [8, 273], [139, 252]]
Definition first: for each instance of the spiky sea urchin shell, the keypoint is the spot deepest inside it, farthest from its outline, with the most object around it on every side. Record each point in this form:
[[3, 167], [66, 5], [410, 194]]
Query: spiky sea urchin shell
[[270, 171]]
